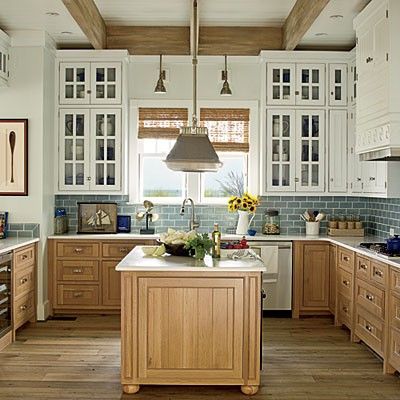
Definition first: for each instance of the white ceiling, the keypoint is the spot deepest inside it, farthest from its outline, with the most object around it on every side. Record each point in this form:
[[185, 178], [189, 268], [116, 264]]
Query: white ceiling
[[31, 15]]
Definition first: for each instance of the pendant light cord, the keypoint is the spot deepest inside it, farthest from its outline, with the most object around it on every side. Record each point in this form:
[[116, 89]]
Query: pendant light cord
[[194, 63]]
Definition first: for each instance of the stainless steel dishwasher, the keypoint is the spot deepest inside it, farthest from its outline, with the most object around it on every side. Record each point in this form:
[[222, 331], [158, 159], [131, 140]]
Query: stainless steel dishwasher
[[5, 293], [277, 281]]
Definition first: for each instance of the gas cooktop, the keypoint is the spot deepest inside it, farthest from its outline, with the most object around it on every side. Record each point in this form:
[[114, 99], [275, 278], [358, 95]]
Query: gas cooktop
[[379, 248]]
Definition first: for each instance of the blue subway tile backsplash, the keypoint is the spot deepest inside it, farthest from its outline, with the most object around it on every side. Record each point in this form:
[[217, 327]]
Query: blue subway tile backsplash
[[378, 215]]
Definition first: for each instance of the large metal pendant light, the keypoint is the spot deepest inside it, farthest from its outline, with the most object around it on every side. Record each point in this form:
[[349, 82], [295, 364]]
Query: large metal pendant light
[[193, 151]]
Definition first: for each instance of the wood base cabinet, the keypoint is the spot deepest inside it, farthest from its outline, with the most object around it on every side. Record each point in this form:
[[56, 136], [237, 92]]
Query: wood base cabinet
[[393, 328], [191, 329], [82, 276]]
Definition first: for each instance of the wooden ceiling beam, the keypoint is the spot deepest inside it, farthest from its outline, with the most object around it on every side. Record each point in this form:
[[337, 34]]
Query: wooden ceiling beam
[[175, 40], [89, 19], [299, 21]]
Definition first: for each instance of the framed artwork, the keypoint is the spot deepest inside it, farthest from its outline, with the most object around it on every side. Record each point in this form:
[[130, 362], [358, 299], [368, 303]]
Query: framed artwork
[[97, 217], [13, 157]]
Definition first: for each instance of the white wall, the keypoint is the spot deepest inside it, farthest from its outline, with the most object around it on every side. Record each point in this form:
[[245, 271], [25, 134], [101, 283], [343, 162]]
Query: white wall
[[31, 95], [244, 78]]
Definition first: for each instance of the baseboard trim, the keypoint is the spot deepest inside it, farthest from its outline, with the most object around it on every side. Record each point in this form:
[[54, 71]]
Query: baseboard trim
[[43, 311], [277, 313]]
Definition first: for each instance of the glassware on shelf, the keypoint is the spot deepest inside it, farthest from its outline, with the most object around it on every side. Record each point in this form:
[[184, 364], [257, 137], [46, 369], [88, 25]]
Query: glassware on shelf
[[333, 222], [342, 224]]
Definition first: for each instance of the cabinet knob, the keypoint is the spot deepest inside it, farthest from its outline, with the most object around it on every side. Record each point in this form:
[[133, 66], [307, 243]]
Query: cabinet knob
[[24, 257], [88, 91], [368, 328], [345, 258], [123, 249], [346, 283], [378, 272], [77, 271], [369, 59], [78, 250], [371, 178], [296, 92], [359, 179], [369, 297], [345, 309], [89, 178], [23, 308], [78, 294], [363, 266], [23, 280]]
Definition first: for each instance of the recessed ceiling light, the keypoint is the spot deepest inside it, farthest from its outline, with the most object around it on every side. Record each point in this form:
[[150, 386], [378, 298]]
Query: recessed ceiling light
[[52, 14], [66, 33], [336, 17], [321, 34]]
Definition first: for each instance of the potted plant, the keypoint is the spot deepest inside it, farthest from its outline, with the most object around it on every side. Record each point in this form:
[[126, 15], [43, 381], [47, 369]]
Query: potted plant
[[201, 244]]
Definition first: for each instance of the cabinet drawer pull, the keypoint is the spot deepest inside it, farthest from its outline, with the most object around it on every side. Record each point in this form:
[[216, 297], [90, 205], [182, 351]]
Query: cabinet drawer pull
[[23, 308], [77, 271], [363, 266], [123, 249], [371, 178], [379, 273], [369, 297], [346, 283], [78, 294], [23, 280], [369, 59], [368, 328], [359, 179], [24, 257], [78, 250], [346, 258], [345, 309]]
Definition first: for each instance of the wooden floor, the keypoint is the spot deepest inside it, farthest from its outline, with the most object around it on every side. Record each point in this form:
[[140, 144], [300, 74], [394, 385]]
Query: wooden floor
[[307, 359]]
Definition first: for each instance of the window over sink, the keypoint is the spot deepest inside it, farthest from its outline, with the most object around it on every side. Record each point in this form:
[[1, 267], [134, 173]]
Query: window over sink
[[155, 128]]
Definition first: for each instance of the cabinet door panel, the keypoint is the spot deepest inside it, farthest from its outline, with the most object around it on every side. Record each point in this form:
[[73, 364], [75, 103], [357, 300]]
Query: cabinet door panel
[[191, 328], [280, 84], [338, 85], [310, 152], [106, 83], [74, 83], [280, 150], [111, 284], [338, 151], [332, 278], [310, 84], [74, 150], [316, 276]]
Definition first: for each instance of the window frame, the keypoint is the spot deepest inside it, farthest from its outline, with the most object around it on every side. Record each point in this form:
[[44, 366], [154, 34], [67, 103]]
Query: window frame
[[193, 181]]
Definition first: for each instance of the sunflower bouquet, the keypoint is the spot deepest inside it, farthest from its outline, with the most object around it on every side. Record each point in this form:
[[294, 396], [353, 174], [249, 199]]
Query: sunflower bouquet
[[247, 202]]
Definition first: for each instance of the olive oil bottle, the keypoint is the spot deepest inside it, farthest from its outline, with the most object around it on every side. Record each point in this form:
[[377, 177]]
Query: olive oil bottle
[[216, 238]]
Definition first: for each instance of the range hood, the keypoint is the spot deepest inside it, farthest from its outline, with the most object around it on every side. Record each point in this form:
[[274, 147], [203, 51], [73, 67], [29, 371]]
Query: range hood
[[388, 154]]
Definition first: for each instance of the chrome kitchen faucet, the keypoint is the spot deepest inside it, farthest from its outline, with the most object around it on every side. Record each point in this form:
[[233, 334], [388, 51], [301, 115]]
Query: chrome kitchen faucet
[[193, 223]]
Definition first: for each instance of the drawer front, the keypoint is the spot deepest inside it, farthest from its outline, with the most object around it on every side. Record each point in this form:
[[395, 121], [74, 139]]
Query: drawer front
[[345, 310], [345, 283], [371, 298], [117, 250], [346, 260], [395, 280], [370, 330], [24, 309], [394, 307], [24, 280], [76, 249], [394, 349], [79, 270], [24, 257], [78, 295], [379, 273], [363, 268]]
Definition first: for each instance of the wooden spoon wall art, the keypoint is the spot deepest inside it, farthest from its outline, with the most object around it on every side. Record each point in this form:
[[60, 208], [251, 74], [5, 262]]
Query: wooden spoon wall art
[[12, 140]]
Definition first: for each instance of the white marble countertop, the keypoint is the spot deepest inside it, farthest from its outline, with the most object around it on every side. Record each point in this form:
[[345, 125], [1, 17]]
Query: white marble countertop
[[12, 243], [136, 261], [351, 243]]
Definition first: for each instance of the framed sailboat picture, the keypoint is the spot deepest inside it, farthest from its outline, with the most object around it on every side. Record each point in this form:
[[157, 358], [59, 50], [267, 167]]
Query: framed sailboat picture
[[97, 217], [13, 157]]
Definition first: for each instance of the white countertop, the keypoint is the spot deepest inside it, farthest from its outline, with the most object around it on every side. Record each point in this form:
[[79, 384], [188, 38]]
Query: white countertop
[[12, 243], [351, 243], [136, 261]]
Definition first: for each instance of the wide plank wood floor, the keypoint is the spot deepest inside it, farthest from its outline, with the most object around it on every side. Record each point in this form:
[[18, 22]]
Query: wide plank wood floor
[[307, 359]]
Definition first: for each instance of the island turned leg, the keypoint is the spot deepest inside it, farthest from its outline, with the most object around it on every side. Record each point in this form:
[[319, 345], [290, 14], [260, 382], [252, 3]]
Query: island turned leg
[[131, 389], [249, 389]]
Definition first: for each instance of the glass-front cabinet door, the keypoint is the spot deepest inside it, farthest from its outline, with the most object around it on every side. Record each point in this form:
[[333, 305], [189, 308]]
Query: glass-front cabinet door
[[310, 84], [310, 160], [280, 148], [105, 149], [280, 84], [74, 83], [106, 83], [338, 84], [74, 150]]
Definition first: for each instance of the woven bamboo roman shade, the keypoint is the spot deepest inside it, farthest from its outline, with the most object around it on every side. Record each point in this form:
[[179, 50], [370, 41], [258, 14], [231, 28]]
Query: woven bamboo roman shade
[[228, 128], [161, 123]]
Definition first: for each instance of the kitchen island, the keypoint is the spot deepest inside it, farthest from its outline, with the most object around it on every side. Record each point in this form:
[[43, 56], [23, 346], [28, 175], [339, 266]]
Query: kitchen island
[[190, 322]]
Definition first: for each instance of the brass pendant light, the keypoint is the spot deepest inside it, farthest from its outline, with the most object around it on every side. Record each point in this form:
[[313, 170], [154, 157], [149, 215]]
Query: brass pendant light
[[193, 151], [226, 90], [160, 87]]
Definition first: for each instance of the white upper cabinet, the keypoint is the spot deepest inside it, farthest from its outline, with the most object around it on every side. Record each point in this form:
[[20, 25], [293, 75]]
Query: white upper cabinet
[[4, 58], [353, 81], [295, 84], [310, 84], [90, 83], [337, 151], [338, 85]]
